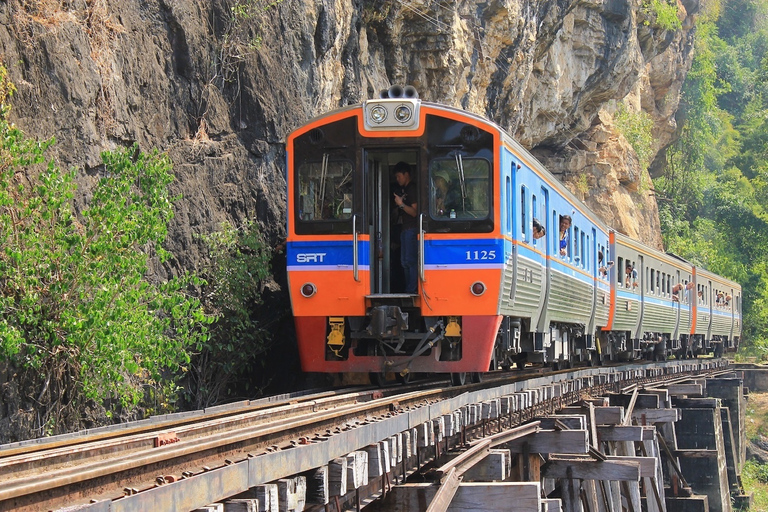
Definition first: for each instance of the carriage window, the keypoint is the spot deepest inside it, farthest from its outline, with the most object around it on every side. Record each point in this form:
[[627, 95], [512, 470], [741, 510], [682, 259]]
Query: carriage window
[[653, 274], [508, 212], [325, 190], [576, 244], [523, 213], [621, 270], [466, 192]]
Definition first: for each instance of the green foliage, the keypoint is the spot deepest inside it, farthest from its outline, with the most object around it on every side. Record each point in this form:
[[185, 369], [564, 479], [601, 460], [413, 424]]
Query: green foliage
[[713, 195], [78, 317], [662, 14], [637, 128], [237, 272]]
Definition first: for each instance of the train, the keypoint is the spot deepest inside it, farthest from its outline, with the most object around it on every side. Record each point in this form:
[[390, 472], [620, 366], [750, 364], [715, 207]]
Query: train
[[506, 266]]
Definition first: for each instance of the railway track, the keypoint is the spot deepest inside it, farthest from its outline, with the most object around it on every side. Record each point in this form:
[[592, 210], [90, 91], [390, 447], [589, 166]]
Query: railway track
[[111, 464]]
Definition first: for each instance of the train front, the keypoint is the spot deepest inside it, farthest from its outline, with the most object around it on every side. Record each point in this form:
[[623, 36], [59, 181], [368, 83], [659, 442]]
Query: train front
[[394, 254]]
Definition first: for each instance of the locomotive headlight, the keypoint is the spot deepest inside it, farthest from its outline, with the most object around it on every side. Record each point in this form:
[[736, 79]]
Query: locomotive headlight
[[477, 288], [308, 290], [378, 114], [403, 113]]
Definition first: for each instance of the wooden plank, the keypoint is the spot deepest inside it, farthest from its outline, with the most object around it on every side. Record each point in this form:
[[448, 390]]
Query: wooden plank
[[493, 468], [624, 470], [650, 416], [551, 505], [572, 421], [552, 441], [647, 464], [697, 454], [696, 403], [642, 400], [685, 389], [631, 407], [478, 497], [607, 433], [612, 415]]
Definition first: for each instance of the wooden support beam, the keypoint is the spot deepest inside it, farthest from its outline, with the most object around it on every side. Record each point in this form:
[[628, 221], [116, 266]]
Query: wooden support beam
[[571, 421], [552, 441], [583, 469], [551, 505], [651, 416], [607, 433], [647, 465], [493, 468], [478, 497], [685, 389], [612, 415], [642, 400], [630, 408], [696, 454]]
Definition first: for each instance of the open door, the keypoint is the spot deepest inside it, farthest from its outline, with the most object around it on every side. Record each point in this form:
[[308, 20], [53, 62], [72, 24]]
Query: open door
[[385, 219]]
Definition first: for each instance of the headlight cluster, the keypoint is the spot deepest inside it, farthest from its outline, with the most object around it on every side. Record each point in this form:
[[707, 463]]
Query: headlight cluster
[[392, 114]]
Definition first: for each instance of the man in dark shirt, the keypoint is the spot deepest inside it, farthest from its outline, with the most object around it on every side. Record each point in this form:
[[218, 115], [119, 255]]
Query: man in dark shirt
[[406, 196]]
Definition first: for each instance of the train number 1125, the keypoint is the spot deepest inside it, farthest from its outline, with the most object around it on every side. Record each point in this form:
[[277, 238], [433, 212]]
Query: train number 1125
[[481, 255]]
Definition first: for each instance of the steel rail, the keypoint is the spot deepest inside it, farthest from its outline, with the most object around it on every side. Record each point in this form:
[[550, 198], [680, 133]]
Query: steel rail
[[211, 441]]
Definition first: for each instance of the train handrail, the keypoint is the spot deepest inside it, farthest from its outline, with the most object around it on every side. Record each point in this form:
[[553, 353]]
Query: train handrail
[[354, 248], [421, 247]]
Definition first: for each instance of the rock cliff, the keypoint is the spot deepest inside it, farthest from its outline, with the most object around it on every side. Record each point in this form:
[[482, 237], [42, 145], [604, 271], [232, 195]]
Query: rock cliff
[[218, 86]]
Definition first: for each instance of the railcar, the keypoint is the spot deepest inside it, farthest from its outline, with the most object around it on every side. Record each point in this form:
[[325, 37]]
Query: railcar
[[491, 293], [716, 325]]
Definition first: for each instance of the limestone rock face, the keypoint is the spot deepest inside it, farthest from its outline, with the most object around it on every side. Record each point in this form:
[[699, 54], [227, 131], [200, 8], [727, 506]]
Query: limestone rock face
[[219, 88]]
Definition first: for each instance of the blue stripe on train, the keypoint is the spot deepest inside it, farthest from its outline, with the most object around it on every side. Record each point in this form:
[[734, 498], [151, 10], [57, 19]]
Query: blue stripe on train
[[323, 254]]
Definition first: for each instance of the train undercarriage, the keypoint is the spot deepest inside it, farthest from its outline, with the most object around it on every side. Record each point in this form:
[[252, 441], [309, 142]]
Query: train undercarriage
[[395, 339]]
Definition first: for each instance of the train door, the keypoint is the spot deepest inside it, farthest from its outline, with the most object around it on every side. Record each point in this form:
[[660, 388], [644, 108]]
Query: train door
[[546, 249], [639, 266], [679, 294], [592, 266], [540, 206], [385, 220]]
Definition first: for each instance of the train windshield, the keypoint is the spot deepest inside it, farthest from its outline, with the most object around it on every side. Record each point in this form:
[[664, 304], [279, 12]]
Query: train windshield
[[460, 188], [325, 190]]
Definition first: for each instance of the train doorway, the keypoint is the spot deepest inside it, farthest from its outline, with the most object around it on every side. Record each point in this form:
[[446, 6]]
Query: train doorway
[[385, 219]]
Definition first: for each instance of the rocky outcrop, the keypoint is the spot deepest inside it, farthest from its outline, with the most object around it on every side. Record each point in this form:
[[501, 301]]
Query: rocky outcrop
[[219, 85], [219, 88]]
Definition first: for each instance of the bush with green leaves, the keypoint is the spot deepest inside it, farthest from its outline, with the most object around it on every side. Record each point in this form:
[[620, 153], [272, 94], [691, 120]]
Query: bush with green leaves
[[80, 321], [238, 268], [662, 14]]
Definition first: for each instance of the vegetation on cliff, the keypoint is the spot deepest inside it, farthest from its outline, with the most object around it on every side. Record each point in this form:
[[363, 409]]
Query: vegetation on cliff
[[81, 325], [713, 194]]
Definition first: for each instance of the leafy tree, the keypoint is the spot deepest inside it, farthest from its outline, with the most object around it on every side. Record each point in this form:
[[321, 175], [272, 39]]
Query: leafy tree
[[80, 321], [235, 277], [713, 194]]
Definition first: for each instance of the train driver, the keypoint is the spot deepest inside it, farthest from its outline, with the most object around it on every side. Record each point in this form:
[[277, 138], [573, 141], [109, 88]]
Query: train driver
[[406, 195]]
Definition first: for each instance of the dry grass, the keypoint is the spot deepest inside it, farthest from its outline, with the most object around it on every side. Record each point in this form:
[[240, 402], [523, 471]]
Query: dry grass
[[94, 19]]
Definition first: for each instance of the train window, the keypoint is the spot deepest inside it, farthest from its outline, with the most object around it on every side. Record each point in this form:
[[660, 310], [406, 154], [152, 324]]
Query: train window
[[653, 274], [467, 194], [658, 283], [564, 235], [584, 252], [621, 266], [523, 213], [508, 212], [576, 245], [325, 190]]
